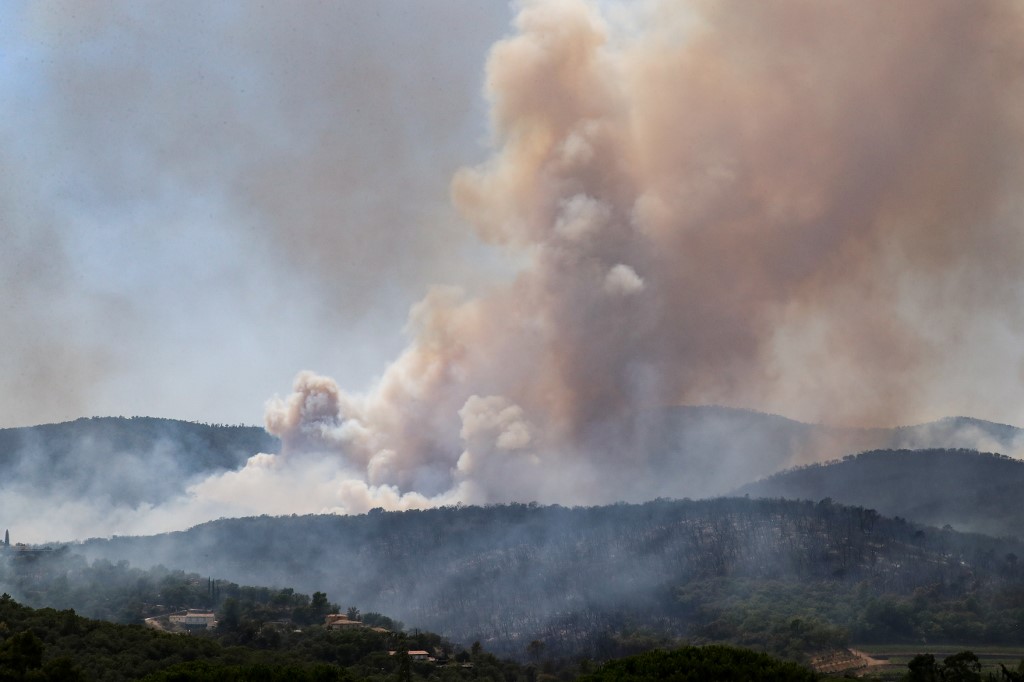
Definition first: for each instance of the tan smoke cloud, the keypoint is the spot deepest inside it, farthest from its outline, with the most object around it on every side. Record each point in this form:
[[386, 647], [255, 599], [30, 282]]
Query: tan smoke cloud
[[797, 206]]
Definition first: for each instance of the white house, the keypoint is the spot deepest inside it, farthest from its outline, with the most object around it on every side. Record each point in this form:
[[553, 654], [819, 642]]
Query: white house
[[194, 618]]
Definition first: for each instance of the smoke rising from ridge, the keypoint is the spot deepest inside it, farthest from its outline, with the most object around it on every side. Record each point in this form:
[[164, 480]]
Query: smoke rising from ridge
[[794, 206]]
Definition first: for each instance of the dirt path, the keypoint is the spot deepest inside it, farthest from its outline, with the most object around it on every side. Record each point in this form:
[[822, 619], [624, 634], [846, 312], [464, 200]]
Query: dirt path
[[842, 661], [155, 624], [868, 661]]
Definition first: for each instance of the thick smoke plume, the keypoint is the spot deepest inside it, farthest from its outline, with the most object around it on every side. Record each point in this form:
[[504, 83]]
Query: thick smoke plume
[[805, 208], [810, 208]]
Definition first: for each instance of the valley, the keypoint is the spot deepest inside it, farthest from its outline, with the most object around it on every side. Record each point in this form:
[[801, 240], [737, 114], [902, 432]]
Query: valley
[[849, 562]]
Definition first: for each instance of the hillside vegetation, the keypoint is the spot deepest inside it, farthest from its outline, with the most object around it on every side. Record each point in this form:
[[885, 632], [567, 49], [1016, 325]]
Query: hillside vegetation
[[699, 664], [126, 461], [964, 489], [790, 576], [61, 646]]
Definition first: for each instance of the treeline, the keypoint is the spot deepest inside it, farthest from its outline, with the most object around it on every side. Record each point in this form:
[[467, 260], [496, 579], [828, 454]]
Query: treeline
[[793, 619], [61, 646], [50, 644], [121, 593], [264, 618], [588, 581], [700, 664]]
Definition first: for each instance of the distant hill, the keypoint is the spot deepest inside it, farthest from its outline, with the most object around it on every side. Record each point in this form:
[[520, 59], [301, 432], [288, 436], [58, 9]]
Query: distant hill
[[707, 451], [688, 451], [955, 433], [128, 461], [506, 575], [704, 451], [965, 489]]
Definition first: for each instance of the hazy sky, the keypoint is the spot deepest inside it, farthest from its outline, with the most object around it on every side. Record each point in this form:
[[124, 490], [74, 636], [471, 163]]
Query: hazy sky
[[198, 200], [807, 209]]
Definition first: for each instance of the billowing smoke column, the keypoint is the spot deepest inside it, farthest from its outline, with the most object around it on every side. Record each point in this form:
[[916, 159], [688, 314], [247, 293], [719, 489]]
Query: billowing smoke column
[[802, 207]]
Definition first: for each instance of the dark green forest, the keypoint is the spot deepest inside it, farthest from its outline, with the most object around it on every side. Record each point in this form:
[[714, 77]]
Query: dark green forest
[[698, 664], [59, 645], [964, 489]]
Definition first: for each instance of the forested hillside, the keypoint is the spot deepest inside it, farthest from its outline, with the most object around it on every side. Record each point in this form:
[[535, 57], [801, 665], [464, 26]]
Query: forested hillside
[[584, 579], [52, 645], [128, 461], [967, 490], [61, 646]]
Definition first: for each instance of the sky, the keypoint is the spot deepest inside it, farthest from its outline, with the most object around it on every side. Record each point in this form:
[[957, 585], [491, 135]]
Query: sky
[[200, 201]]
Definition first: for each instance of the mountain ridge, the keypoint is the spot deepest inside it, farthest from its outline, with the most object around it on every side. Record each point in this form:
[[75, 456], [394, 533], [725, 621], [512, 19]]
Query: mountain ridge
[[964, 489], [130, 460], [508, 574]]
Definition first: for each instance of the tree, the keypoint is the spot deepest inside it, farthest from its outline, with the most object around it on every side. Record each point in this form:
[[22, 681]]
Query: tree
[[20, 653], [320, 605], [352, 613], [230, 615], [923, 668], [404, 666], [63, 669], [962, 667]]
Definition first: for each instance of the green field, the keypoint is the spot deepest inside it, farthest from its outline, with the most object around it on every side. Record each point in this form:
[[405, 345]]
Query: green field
[[896, 657]]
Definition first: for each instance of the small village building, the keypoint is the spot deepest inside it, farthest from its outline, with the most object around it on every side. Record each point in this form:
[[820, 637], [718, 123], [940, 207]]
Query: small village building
[[194, 618], [421, 656], [339, 621]]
